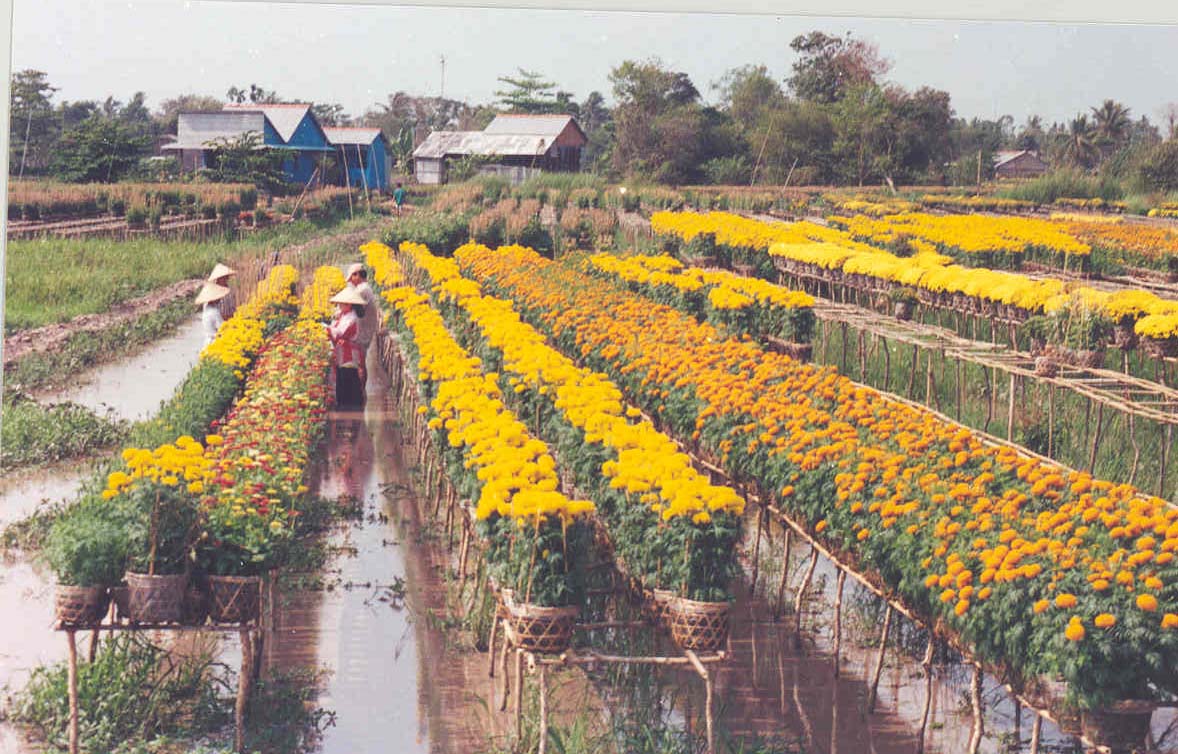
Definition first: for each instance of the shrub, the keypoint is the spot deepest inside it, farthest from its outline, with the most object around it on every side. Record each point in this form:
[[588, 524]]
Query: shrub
[[248, 198], [137, 216], [1160, 171], [441, 231], [87, 545]]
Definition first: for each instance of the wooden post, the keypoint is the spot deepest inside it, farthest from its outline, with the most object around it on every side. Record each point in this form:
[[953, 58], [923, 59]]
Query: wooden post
[[960, 390], [1165, 452], [543, 711], [519, 694], [243, 690], [978, 728], [927, 664], [1010, 411], [708, 693], [784, 571], [93, 644], [838, 619], [1036, 733], [1096, 437], [1018, 722], [503, 669], [887, 363], [873, 692], [72, 676], [1051, 422], [757, 551], [491, 647], [801, 596]]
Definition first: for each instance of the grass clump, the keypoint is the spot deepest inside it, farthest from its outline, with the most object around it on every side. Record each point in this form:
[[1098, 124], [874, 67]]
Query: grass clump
[[31, 433]]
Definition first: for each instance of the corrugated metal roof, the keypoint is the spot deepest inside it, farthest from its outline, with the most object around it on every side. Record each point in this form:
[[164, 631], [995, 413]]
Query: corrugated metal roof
[[285, 118], [197, 130], [362, 136], [457, 143], [1008, 155], [548, 126]]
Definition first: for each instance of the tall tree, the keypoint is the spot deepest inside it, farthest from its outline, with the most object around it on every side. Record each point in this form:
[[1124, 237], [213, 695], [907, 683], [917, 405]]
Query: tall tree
[[100, 148], [32, 127], [828, 66], [658, 122], [1169, 114], [596, 121], [1110, 122], [241, 160], [330, 114], [255, 94], [530, 93], [1079, 143], [1031, 136]]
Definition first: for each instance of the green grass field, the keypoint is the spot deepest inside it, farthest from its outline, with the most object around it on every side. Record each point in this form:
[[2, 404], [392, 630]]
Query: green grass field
[[54, 280]]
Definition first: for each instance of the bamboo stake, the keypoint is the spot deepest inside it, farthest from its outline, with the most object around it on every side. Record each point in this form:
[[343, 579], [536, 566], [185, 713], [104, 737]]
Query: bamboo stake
[[72, 675], [1096, 438], [491, 648], [503, 669], [873, 692], [757, 551], [927, 664], [1036, 733], [1165, 451], [838, 619], [975, 699], [543, 710], [519, 694], [243, 690], [784, 573], [1010, 411], [802, 595]]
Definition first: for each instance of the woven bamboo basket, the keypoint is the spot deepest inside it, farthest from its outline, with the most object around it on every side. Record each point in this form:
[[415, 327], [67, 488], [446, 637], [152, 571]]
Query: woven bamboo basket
[[698, 626], [196, 604], [547, 630], [234, 599], [81, 605], [156, 599], [660, 602]]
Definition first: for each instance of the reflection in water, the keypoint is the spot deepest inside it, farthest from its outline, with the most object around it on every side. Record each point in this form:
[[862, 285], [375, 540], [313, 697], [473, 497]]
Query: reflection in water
[[133, 388]]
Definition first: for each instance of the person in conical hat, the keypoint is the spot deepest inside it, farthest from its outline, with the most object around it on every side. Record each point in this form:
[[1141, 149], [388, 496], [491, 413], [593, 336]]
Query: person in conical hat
[[370, 322], [347, 355], [210, 312], [220, 275]]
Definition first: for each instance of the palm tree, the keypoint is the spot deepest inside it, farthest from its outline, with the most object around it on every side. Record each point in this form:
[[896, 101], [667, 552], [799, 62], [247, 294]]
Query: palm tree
[[1080, 148], [1111, 122]]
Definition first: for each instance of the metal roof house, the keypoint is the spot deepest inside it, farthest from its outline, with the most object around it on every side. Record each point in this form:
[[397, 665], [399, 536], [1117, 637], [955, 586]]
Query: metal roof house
[[1022, 163], [289, 127], [362, 155], [518, 146]]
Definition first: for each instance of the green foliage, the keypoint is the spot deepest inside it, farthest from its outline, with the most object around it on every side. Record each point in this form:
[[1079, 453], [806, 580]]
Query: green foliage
[[441, 232], [134, 690], [162, 530], [206, 393], [31, 433], [87, 545], [242, 160], [1160, 170], [99, 149], [1070, 183]]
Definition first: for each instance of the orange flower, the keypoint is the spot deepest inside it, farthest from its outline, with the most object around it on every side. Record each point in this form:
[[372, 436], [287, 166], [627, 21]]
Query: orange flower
[[1074, 631], [1065, 600], [1105, 620], [1147, 602]]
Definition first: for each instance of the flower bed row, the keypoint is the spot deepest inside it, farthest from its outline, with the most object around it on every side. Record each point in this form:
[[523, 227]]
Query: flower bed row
[[534, 536], [222, 509], [670, 526], [745, 305], [1044, 573], [834, 256]]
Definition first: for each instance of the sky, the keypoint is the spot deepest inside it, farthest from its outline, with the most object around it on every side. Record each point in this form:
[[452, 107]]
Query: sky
[[356, 55]]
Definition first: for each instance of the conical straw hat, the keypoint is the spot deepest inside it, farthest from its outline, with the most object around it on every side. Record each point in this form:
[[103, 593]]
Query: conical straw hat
[[354, 268], [348, 295], [221, 271], [211, 292]]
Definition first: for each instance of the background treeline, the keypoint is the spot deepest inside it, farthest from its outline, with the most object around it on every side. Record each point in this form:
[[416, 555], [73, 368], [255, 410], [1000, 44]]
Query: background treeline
[[836, 119]]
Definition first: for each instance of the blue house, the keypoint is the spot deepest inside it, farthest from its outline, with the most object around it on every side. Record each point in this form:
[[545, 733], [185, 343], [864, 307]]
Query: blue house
[[362, 155], [291, 128]]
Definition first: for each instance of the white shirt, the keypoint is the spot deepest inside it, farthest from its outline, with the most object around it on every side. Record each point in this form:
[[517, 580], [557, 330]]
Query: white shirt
[[370, 322], [210, 316]]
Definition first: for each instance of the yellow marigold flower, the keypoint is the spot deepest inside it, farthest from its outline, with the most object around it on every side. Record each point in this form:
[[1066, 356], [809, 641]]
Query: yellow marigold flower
[[1170, 620], [1105, 620], [1065, 600], [1041, 605], [1147, 602], [1074, 631]]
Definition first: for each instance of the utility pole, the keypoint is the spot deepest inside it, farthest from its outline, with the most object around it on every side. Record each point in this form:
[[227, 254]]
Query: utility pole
[[442, 88]]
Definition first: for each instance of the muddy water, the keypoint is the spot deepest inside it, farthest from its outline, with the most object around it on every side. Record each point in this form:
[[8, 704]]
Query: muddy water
[[133, 388], [374, 632]]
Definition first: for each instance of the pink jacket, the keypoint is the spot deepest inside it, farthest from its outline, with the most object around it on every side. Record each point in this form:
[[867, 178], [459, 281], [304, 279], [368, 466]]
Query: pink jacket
[[343, 332]]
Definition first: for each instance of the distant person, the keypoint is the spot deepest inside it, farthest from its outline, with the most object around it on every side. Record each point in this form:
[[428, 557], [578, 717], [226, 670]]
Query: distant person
[[370, 322], [347, 356], [399, 196], [220, 276], [208, 300]]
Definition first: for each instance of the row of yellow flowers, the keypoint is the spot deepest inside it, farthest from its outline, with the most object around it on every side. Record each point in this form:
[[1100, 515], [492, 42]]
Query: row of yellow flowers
[[516, 471], [925, 271], [686, 542], [511, 475], [969, 234], [1024, 559]]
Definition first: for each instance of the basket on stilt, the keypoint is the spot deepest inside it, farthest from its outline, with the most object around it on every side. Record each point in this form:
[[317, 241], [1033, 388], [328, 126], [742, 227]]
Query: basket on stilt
[[698, 626], [234, 599], [81, 606], [547, 630], [156, 599]]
